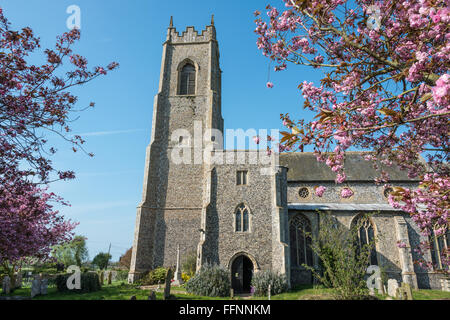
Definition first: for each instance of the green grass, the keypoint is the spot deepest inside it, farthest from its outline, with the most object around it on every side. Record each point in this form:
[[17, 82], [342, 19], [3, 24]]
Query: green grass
[[122, 291], [430, 295], [308, 292], [303, 292], [115, 291]]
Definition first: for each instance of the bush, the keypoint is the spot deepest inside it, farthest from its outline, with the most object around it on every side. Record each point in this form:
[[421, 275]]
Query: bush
[[185, 277], [122, 275], [190, 264], [343, 263], [90, 282], [211, 281], [155, 276], [261, 280], [45, 268]]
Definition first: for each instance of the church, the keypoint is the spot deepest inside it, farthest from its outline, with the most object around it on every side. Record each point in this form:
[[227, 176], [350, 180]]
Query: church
[[242, 214]]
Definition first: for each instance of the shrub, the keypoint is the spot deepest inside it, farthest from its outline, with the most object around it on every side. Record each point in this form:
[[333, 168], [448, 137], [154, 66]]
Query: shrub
[[261, 281], [90, 282], [190, 264], [155, 276], [45, 268], [122, 275], [185, 277], [211, 281], [343, 262]]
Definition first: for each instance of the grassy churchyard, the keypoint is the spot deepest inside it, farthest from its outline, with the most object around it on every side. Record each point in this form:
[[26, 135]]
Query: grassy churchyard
[[123, 291]]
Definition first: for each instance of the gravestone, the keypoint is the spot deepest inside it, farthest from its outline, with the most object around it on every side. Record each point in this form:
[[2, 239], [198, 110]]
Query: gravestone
[[269, 291], [18, 281], [109, 277], [404, 292], [44, 286], [169, 275], [36, 286], [232, 293], [445, 285], [152, 295], [379, 286], [102, 278], [6, 285], [178, 280], [392, 287], [133, 298]]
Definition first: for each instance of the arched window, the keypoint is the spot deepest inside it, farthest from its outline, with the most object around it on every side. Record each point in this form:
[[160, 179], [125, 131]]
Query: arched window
[[241, 218], [366, 235], [187, 80], [439, 247], [300, 241]]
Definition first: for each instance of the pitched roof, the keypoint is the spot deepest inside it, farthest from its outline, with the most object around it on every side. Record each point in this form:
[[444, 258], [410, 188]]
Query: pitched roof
[[303, 166]]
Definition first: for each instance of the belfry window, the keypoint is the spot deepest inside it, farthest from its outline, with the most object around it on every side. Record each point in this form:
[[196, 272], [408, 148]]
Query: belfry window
[[242, 219], [187, 80], [300, 241]]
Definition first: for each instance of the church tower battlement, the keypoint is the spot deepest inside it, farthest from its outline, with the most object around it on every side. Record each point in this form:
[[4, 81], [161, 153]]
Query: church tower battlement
[[190, 35]]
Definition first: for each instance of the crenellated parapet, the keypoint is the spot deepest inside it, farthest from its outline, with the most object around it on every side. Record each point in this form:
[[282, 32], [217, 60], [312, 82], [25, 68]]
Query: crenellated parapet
[[190, 35]]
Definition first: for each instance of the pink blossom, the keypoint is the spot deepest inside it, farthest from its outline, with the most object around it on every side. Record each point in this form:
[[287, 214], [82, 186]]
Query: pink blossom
[[320, 190], [388, 103], [401, 244], [269, 84], [346, 193]]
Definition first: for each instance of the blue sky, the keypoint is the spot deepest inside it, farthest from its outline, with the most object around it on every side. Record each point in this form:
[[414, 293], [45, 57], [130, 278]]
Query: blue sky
[[108, 187]]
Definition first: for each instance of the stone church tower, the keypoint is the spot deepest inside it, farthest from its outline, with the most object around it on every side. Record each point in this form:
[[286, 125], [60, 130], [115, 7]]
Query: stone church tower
[[187, 103]]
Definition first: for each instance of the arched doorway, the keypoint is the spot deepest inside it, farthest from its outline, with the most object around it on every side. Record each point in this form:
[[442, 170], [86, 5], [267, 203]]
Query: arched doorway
[[241, 274]]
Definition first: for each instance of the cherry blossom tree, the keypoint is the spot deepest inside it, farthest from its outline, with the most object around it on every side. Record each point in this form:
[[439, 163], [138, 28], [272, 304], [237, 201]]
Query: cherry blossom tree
[[386, 88], [29, 225], [35, 103]]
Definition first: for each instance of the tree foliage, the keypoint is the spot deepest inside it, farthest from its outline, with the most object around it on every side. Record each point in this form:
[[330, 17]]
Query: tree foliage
[[101, 260], [35, 103], [125, 260], [343, 261], [386, 89], [74, 252]]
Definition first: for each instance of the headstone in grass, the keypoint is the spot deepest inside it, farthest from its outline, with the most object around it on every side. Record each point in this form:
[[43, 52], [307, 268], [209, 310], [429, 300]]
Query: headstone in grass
[[36, 286], [445, 284], [379, 285], [109, 277], [392, 287], [152, 295], [6, 285], [18, 281], [44, 286], [102, 278], [133, 298], [404, 292], [169, 275]]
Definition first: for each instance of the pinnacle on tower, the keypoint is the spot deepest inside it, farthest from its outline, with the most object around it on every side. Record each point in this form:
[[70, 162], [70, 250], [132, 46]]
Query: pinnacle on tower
[[171, 22], [212, 20]]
